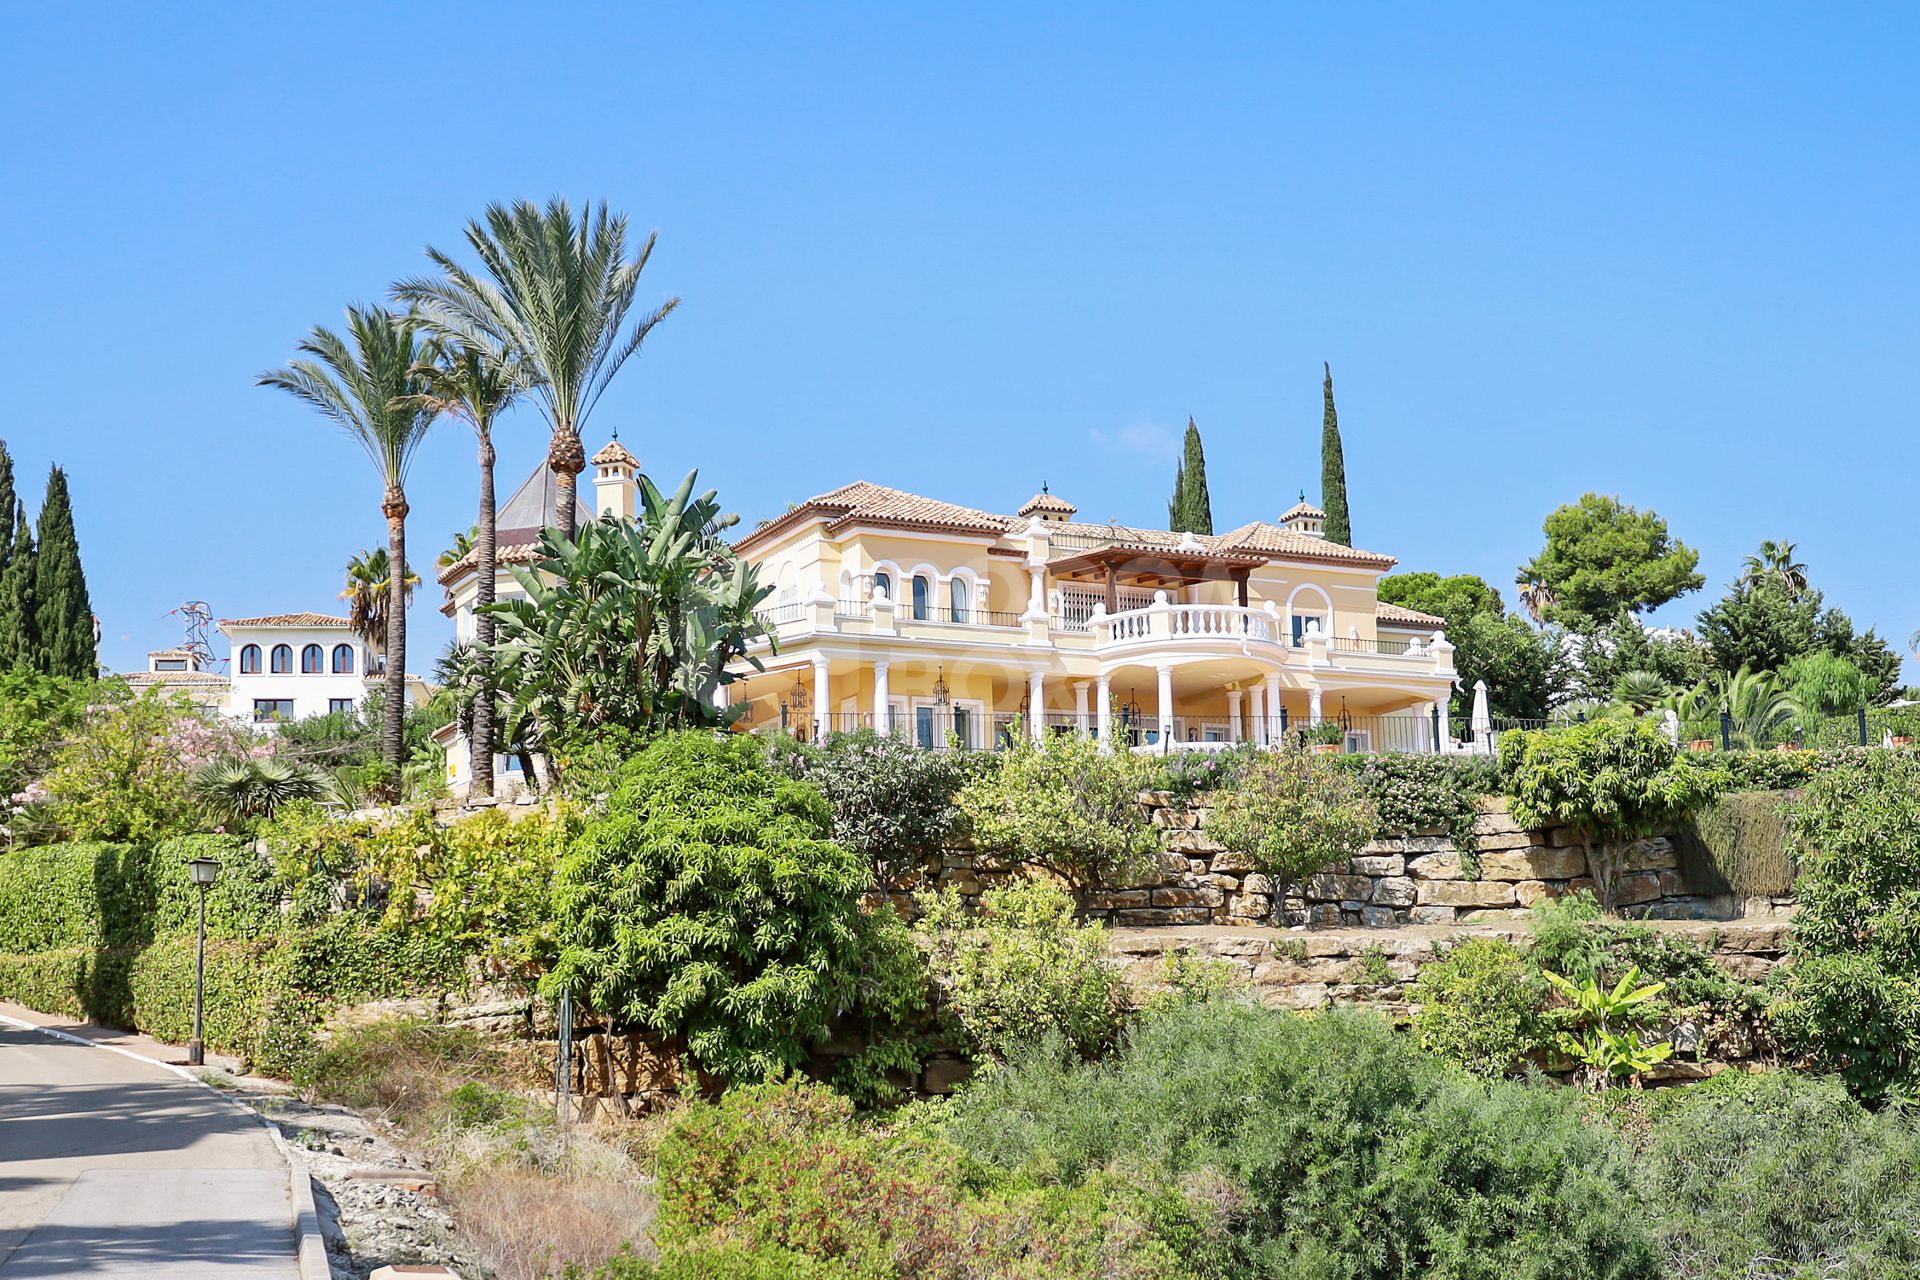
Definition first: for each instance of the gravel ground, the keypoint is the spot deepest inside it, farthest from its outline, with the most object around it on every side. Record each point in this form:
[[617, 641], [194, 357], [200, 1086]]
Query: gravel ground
[[378, 1204]]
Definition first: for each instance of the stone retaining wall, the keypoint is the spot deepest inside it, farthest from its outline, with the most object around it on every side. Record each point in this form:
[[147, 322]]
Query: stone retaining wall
[[1418, 878]]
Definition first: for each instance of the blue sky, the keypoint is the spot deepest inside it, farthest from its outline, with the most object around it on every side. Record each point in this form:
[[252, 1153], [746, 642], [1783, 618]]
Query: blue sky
[[1666, 252]]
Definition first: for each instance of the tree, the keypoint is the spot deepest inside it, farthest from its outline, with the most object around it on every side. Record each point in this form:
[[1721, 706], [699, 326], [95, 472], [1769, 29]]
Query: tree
[[1294, 815], [1602, 658], [1826, 684], [552, 295], [63, 613], [1454, 598], [1759, 626], [1523, 668], [1333, 471], [1774, 562], [7, 498], [1535, 597], [1873, 656], [629, 624], [708, 904], [369, 594], [1610, 781], [1191, 509], [19, 634], [1603, 556], [365, 385], [476, 385]]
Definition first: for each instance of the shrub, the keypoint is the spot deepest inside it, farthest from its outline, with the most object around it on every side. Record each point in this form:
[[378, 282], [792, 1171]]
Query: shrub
[[1612, 781], [893, 803], [1186, 774], [707, 902], [1294, 814], [1853, 991], [1566, 935], [1064, 806], [1780, 1177], [36, 713], [1425, 792], [238, 793], [1358, 1155], [1021, 969], [1479, 1006]]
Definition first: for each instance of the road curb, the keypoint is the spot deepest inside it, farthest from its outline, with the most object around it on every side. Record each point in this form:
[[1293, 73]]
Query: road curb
[[310, 1246]]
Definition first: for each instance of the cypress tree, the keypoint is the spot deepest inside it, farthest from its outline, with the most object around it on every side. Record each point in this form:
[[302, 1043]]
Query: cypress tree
[[1177, 504], [1333, 472], [7, 499], [1196, 506], [63, 614], [19, 639]]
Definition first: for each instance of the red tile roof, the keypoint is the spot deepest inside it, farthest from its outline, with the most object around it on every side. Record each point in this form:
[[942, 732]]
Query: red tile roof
[[286, 620]]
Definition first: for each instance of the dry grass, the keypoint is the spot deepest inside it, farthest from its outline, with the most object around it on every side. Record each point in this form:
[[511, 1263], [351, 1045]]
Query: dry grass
[[524, 1225], [525, 1205]]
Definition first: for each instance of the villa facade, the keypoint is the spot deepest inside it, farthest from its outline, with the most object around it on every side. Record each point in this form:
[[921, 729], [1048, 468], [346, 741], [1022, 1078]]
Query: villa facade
[[952, 625], [282, 667]]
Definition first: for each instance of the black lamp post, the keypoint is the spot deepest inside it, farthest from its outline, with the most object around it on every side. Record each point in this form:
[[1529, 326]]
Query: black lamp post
[[204, 872]]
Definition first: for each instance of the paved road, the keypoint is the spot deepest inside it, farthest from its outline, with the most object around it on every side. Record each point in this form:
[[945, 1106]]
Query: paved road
[[113, 1167]]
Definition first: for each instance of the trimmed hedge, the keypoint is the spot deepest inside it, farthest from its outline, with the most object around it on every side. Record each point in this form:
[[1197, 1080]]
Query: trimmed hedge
[[1737, 843], [106, 932]]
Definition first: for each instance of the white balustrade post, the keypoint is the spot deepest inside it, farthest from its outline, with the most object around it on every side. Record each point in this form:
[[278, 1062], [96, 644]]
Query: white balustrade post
[[1160, 615], [882, 703], [1098, 624], [819, 699], [1165, 699], [1443, 706], [1036, 592], [1272, 683], [1233, 715], [1037, 704], [1313, 706], [1442, 652], [1104, 713], [883, 614], [1317, 644], [1080, 707]]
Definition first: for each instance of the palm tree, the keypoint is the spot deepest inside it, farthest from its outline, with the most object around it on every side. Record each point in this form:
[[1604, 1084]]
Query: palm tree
[[1535, 596], [1640, 691], [464, 541], [367, 593], [476, 385], [1775, 561], [552, 294], [362, 384]]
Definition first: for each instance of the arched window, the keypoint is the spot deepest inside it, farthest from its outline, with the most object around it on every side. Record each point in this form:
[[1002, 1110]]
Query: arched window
[[922, 598], [957, 590], [312, 661], [250, 660], [343, 659], [281, 663], [884, 584]]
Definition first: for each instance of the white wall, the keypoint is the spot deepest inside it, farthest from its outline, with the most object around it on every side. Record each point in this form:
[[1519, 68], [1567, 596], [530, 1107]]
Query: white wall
[[311, 694]]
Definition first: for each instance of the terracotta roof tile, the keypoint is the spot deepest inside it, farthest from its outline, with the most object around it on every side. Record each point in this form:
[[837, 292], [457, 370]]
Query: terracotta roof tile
[[286, 620], [1301, 508], [516, 553], [1398, 615], [1044, 501], [613, 454], [1273, 540], [185, 679], [863, 502]]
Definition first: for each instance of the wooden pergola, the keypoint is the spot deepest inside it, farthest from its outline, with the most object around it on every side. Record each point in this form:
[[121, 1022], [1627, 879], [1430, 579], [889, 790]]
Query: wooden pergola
[[1156, 568]]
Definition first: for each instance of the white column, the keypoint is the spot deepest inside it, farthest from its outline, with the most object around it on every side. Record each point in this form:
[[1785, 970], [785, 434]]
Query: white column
[[1036, 701], [1257, 700], [882, 707], [1104, 713], [1166, 702], [1233, 715], [1313, 705], [1273, 708], [1080, 706], [1443, 705], [819, 699], [1037, 593]]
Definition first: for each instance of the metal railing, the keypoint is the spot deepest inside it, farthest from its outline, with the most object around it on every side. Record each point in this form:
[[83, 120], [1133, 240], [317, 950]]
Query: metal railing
[[1354, 644]]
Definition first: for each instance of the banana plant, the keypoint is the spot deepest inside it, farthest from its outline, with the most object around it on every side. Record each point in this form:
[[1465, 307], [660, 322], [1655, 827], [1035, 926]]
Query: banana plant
[[1604, 1050]]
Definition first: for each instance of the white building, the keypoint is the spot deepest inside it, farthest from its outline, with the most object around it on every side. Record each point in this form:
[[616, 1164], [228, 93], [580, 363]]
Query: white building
[[181, 671], [288, 666]]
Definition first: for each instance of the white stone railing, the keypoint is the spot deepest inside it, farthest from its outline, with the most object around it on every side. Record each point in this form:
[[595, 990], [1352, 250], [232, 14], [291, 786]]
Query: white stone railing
[[1163, 620]]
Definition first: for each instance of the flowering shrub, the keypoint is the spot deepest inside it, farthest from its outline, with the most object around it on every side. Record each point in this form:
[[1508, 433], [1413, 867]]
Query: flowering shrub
[[1189, 773], [1425, 792]]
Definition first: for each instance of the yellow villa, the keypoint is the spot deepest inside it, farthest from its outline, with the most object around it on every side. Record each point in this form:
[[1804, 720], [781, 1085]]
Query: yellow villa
[[950, 625], [945, 623]]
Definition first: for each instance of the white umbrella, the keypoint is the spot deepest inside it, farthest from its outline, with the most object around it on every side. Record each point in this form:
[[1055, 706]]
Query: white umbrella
[[1482, 721]]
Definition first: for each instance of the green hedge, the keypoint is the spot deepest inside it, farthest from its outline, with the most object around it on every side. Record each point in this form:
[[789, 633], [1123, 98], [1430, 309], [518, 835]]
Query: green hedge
[[92, 894], [106, 932], [1737, 843]]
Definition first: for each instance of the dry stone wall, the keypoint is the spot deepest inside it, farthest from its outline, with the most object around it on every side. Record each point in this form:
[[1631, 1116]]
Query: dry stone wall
[[1414, 878]]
